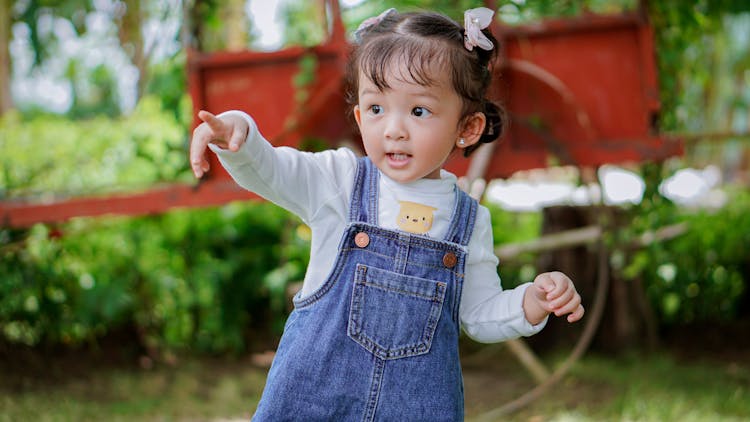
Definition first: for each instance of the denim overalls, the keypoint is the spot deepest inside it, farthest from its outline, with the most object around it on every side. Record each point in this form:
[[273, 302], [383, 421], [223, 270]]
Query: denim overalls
[[379, 339]]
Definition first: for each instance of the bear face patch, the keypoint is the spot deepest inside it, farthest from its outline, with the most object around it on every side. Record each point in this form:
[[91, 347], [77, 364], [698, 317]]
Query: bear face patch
[[415, 218]]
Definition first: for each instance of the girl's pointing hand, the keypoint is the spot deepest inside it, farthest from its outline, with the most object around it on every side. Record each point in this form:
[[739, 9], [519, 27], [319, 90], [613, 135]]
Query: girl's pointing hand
[[228, 132]]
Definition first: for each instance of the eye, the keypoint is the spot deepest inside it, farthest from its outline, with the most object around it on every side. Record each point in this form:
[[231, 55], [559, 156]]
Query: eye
[[420, 112], [376, 109]]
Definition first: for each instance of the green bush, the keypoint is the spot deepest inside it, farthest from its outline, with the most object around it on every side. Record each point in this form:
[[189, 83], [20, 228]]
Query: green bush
[[193, 279], [212, 280], [701, 275], [52, 156]]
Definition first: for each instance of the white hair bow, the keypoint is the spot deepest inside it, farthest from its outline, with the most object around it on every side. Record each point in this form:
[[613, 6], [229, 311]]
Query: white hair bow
[[475, 20], [372, 21]]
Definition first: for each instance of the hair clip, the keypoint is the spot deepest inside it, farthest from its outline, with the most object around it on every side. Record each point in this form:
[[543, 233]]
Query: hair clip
[[475, 20], [371, 21]]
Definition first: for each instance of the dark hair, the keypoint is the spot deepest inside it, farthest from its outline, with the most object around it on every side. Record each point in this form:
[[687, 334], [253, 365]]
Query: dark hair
[[421, 41]]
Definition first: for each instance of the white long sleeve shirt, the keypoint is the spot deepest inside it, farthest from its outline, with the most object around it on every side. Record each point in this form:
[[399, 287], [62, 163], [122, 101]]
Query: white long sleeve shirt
[[317, 187]]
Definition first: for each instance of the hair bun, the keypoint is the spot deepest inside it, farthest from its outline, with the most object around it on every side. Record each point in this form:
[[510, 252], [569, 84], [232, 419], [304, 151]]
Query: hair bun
[[494, 127]]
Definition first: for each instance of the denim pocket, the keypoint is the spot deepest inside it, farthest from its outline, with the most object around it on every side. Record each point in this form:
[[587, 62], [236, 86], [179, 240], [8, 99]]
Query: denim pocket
[[394, 315]]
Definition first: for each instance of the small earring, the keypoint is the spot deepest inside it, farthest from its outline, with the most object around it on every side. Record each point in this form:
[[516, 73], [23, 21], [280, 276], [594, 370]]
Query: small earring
[[461, 142]]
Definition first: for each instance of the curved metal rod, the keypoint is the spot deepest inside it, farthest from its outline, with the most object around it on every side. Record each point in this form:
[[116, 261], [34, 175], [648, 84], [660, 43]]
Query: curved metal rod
[[592, 323], [554, 83]]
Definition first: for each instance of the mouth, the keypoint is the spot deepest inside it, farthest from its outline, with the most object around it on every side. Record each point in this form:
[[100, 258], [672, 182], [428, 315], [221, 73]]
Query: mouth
[[398, 159]]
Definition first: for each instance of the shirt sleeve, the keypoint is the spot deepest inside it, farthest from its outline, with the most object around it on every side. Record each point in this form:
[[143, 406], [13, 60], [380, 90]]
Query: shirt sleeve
[[301, 182], [488, 313]]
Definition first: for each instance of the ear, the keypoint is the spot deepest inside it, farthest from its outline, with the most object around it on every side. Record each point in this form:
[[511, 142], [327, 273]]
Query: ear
[[472, 128], [358, 116]]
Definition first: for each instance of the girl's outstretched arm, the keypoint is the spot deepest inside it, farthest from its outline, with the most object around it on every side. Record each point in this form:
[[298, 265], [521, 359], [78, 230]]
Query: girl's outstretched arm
[[300, 182]]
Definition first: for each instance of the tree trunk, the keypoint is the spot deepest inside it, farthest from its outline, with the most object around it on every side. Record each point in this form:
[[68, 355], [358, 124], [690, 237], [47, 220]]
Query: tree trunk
[[235, 25], [577, 263], [6, 100], [626, 322], [131, 38]]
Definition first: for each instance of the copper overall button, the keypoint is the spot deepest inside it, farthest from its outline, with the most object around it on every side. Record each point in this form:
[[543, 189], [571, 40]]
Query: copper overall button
[[362, 239], [449, 259]]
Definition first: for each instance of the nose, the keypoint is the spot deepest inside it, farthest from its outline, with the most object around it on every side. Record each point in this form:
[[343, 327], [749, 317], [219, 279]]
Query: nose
[[395, 128]]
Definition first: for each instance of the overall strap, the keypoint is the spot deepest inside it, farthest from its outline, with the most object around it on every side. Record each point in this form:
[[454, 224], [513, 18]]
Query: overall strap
[[364, 203], [462, 221]]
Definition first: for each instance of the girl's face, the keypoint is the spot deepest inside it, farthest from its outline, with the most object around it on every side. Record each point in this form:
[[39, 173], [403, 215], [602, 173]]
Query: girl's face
[[409, 130]]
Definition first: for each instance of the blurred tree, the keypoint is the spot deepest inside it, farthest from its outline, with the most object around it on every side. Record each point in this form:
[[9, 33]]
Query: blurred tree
[[215, 26], [510, 12], [42, 39], [202, 19], [6, 101], [94, 91], [702, 55], [39, 17], [236, 25], [42, 19], [129, 17], [304, 23]]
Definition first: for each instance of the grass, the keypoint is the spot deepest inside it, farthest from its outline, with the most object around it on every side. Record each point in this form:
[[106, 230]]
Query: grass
[[191, 391], [648, 389], [632, 388]]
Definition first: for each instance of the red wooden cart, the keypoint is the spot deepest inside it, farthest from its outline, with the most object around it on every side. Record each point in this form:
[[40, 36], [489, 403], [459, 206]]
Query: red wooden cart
[[580, 91]]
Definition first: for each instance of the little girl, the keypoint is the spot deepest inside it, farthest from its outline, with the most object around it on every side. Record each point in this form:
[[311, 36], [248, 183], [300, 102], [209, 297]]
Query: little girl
[[401, 259]]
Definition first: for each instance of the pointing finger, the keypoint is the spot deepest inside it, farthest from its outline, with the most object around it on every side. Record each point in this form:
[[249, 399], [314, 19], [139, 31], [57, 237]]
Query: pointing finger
[[217, 126]]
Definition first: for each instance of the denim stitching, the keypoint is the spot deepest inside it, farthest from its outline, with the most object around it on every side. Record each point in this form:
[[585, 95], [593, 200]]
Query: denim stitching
[[419, 240], [356, 313], [440, 266], [470, 222], [354, 206], [374, 177], [374, 394], [400, 291], [454, 225]]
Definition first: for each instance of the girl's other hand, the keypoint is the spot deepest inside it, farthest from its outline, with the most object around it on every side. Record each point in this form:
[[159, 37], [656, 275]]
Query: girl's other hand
[[228, 132], [553, 292]]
